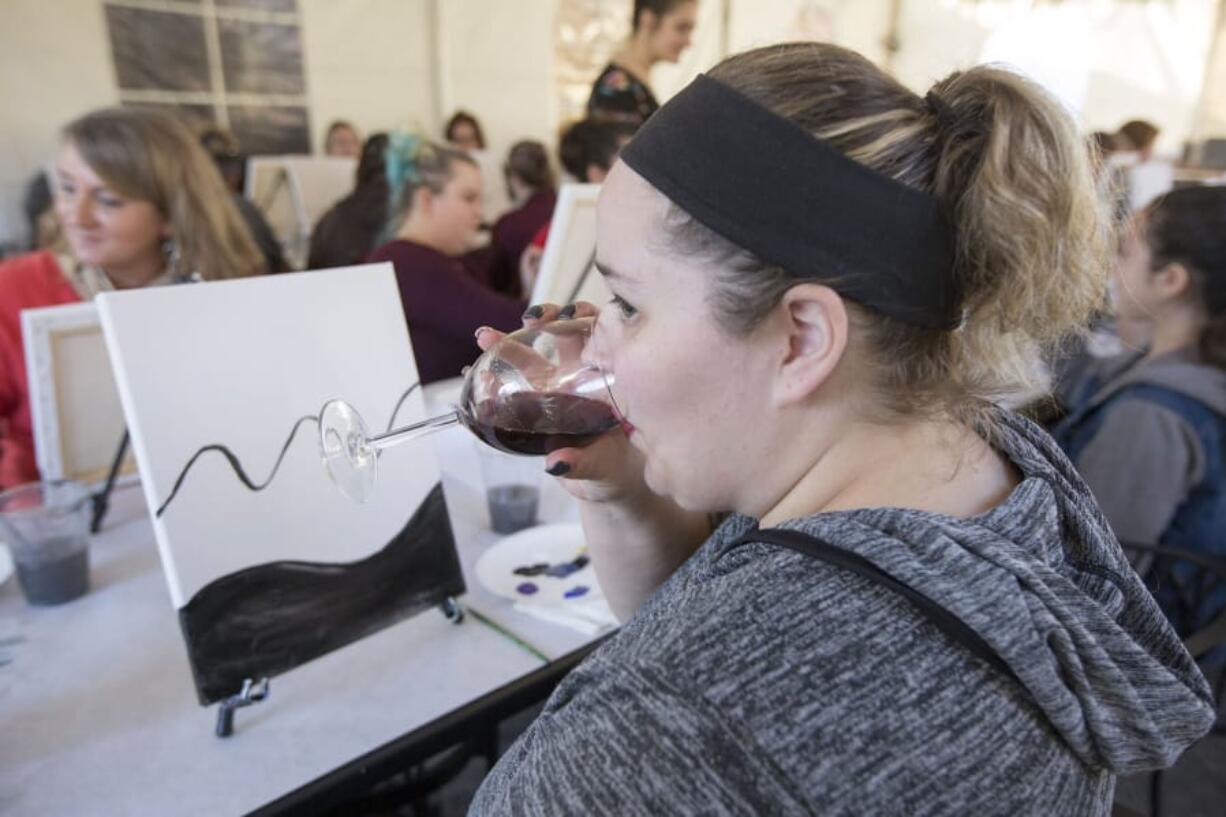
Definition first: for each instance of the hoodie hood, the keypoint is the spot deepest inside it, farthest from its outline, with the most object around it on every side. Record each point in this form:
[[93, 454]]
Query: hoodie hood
[[1180, 372], [1042, 579]]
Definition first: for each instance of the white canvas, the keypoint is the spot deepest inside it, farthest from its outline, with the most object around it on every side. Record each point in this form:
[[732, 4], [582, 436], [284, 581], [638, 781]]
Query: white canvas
[[566, 273], [238, 363], [77, 417], [293, 193]]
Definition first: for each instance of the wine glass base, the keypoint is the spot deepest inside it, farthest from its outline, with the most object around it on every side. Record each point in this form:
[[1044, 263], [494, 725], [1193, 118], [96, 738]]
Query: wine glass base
[[350, 461]]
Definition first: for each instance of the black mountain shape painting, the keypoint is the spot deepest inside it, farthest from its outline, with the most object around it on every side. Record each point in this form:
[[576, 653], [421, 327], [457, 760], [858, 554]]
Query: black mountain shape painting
[[267, 619], [264, 620]]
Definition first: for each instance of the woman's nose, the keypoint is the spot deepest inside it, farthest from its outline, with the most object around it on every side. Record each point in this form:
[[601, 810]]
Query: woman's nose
[[81, 211]]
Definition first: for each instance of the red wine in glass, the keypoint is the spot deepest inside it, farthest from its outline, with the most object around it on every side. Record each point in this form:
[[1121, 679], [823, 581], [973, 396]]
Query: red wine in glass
[[531, 393], [533, 423]]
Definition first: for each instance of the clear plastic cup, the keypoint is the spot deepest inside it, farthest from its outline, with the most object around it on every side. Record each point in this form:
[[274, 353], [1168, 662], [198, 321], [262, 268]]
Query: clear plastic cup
[[46, 526], [512, 488]]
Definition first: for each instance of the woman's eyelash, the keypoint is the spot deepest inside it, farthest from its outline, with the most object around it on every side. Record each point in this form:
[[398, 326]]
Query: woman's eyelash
[[625, 308]]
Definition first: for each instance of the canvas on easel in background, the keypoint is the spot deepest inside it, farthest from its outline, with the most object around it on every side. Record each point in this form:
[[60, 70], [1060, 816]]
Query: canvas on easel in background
[[268, 564], [568, 271], [293, 193], [77, 417]]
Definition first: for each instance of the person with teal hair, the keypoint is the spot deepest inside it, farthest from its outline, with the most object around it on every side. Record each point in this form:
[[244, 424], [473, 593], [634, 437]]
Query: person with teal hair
[[435, 209]]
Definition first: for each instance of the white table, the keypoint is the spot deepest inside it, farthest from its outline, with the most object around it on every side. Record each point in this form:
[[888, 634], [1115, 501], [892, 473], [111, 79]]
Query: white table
[[98, 713]]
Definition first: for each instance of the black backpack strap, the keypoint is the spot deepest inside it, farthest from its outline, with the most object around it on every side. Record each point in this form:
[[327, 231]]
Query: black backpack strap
[[944, 620]]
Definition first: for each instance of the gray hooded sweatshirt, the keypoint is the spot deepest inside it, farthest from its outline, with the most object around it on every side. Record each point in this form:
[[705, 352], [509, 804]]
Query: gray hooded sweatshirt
[[757, 680], [1145, 459]]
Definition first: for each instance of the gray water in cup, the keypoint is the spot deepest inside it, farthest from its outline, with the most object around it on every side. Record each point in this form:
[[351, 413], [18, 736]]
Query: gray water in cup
[[512, 507], [46, 526]]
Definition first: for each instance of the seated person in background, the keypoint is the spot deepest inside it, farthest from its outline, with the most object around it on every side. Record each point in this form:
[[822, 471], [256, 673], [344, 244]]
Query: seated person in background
[[44, 225], [1139, 136], [437, 213], [587, 150], [530, 182], [811, 316], [142, 205], [348, 232], [342, 139], [463, 132], [232, 164], [1149, 435]]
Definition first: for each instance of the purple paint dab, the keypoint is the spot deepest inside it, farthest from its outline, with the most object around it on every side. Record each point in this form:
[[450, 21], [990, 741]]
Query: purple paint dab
[[577, 591], [526, 588]]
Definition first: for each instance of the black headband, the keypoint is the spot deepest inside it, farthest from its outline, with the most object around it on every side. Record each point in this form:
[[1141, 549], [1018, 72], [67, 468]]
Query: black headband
[[770, 187]]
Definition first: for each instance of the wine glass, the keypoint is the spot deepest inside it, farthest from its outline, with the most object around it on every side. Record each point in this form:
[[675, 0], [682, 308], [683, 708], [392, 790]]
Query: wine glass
[[530, 393]]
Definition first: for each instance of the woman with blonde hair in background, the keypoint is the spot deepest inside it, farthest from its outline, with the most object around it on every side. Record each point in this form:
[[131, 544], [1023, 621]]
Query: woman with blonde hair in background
[[141, 204], [821, 281]]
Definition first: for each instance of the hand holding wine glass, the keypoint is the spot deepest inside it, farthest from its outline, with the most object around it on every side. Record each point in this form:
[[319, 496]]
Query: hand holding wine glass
[[608, 469], [531, 392]]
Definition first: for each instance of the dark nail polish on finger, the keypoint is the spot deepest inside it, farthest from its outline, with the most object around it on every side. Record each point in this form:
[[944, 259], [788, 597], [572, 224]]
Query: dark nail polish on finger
[[534, 312], [567, 312], [558, 469]]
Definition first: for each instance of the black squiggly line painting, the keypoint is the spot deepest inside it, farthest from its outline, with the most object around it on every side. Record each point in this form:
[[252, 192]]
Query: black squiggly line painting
[[237, 466]]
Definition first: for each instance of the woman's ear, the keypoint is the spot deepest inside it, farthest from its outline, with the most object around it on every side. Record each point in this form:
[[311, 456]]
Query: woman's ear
[[423, 200], [1172, 281], [814, 322]]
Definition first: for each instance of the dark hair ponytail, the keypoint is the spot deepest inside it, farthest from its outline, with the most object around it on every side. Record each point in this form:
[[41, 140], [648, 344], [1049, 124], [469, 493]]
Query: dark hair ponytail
[[1188, 227]]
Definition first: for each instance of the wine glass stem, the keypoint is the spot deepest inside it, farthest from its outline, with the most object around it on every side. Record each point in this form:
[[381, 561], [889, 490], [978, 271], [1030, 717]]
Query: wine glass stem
[[412, 432]]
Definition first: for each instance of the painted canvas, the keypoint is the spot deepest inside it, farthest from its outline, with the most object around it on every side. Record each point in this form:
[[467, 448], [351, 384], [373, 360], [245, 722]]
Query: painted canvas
[[267, 563], [568, 271], [78, 420]]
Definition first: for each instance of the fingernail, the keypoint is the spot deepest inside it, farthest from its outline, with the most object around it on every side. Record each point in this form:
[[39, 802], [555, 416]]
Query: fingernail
[[481, 329], [567, 311], [534, 312], [558, 469]]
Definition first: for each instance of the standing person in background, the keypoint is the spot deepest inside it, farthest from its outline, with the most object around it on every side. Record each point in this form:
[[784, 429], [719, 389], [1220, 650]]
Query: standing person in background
[[348, 232], [342, 139], [1150, 435], [530, 181], [437, 191], [463, 132], [660, 31], [142, 205]]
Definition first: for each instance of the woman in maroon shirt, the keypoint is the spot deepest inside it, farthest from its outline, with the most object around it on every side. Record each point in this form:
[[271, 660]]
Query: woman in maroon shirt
[[530, 181], [438, 213]]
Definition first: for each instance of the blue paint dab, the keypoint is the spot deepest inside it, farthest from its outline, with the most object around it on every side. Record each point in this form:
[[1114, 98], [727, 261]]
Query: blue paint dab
[[527, 588], [577, 591]]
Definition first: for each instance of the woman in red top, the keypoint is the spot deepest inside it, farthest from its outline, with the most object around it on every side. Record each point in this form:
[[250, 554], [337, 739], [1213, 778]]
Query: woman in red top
[[141, 204], [439, 213]]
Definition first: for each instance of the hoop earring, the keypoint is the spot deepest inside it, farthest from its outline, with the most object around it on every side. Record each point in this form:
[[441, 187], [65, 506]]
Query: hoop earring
[[170, 250]]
